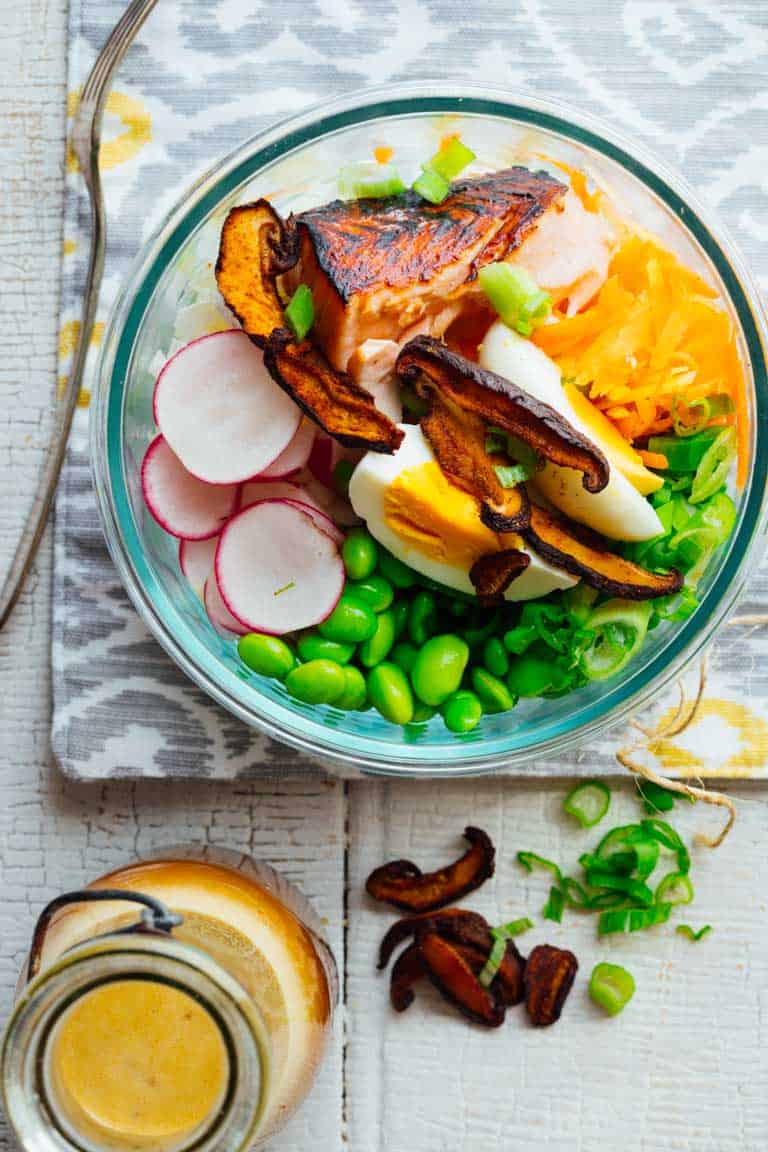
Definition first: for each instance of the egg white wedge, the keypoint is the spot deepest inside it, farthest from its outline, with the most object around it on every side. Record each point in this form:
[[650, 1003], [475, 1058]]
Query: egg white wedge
[[619, 511], [424, 520]]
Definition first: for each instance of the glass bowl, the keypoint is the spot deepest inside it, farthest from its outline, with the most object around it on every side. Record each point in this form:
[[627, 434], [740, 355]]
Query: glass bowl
[[296, 163]]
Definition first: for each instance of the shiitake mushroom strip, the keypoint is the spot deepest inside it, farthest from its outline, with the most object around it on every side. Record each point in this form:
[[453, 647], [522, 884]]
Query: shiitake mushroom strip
[[430, 365], [455, 980], [330, 398], [256, 246], [549, 976], [403, 884], [408, 969], [570, 547], [458, 441], [493, 573], [456, 924]]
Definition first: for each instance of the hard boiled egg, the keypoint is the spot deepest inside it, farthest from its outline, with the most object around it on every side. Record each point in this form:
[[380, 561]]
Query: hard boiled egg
[[414, 510], [619, 511]]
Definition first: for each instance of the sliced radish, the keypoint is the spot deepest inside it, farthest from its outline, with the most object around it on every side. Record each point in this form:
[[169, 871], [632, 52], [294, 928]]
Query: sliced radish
[[325, 455], [335, 506], [218, 613], [276, 570], [322, 519], [183, 505], [196, 560], [256, 490], [221, 411], [295, 456]]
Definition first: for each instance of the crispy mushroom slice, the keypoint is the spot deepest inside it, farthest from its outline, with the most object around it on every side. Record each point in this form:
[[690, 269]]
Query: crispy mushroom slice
[[456, 924], [330, 398], [401, 883], [458, 441], [493, 573], [409, 968], [456, 982], [430, 365], [584, 554], [256, 246], [549, 976]]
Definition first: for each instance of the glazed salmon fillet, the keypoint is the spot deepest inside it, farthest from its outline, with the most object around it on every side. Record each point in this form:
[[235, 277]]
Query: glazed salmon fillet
[[394, 268]]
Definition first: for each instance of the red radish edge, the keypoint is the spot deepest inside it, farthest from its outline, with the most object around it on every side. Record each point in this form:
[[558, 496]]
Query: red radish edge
[[200, 554], [223, 499], [218, 613], [321, 518], [294, 457], [337, 577]]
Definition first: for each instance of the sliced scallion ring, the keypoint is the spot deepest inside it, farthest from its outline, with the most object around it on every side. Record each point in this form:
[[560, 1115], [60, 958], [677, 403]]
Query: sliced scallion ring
[[642, 918], [515, 295], [493, 963], [614, 921], [675, 888], [367, 180], [714, 466], [611, 987], [300, 311], [588, 802], [529, 861], [553, 909], [690, 934], [690, 418], [619, 627]]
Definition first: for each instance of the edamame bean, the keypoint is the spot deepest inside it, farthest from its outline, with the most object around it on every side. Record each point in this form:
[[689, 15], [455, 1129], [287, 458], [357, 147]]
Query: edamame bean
[[438, 668], [375, 591], [390, 693], [395, 571], [313, 646], [376, 649], [462, 711], [493, 692], [400, 610], [530, 676], [495, 656], [475, 636], [422, 618], [404, 655], [268, 655], [351, 622], [457, 608], [422, 713], [359, 553], [316, 682], [355, 692]]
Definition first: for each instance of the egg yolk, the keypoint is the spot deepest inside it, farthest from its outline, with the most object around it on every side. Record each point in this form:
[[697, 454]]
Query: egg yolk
[[441, 521]]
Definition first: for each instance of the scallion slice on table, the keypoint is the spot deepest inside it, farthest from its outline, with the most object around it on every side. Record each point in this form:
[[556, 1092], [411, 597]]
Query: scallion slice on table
[[300, 311], [553, 909], [655, 798], [500, 936], [367, 181], [529, 861], [588, 802], [674, 889], [690, 934], [611, 987], [691, 417], [514, 294], [642, 918]]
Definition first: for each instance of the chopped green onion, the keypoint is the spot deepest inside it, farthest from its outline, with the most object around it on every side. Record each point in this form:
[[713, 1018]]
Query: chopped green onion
[[655, 798], [633, 844], [578, 602], [588, 802], [510, 475], [514, 927], [495, 957], [575, 893], [610, 922], [451, 159], [412, 402], [686, 930], [690, 418], [668, 838], [684, 455], [620, 628], [431, 186], [679, 606], [514, 294], [642, 918], [495, 441], [674, 889], [529, 861], [714, 466], [518, 640], [636, 890], [611, 987], [553, 909], [367, 180], [300, 311], [606, 900]]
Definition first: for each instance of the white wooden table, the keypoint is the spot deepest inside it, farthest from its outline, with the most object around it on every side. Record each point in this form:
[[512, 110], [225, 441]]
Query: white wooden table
[[685, 1067]]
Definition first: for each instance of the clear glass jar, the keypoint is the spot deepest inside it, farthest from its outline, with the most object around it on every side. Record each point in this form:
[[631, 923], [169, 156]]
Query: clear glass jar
[[202, 1024]]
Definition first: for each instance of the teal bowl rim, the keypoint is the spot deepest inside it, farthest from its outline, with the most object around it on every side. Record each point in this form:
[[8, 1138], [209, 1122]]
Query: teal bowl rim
[[376, 756]]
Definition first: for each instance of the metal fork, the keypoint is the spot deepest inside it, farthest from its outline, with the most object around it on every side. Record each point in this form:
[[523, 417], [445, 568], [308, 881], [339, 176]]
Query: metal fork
[[86, 139]]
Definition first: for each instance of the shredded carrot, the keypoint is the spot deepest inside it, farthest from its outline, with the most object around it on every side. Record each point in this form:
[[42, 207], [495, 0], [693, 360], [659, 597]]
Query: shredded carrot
[[654, 334], [653, 459], [382, 154]]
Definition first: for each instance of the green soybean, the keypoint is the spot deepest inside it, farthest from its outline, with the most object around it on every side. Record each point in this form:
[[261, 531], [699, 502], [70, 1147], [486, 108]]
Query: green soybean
[[313, 646], [374, 591], [376, 649], [531, 676], [422, 618], [422, 713], [316, 682], [355, 692], [462, 711], [400, 610], [495, 657], [390, 693], [457, 608], [359, 553], [268, 655], [439, 667], [404, 655], [351, 622], [493, 692], [395, 571]]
